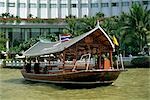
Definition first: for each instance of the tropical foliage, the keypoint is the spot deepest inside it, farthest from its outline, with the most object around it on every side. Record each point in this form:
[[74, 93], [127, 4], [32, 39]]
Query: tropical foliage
[[79, 26], [132, 29], [19, 46], [2, 42]]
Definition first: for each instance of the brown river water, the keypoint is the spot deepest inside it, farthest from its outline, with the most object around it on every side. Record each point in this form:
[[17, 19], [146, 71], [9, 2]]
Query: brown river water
[[133, 84]]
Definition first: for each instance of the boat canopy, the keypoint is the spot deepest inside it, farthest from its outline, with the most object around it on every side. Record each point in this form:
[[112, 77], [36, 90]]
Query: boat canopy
[[42, 48]]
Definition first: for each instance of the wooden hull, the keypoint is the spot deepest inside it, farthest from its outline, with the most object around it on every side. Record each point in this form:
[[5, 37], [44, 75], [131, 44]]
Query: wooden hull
[[79, 77]]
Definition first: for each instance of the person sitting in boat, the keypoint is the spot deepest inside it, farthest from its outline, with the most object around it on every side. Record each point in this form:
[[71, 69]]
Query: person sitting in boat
[[37, 68], [45, 70], [28, 67]]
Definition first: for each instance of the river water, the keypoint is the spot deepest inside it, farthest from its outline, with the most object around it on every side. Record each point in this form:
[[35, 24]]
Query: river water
[[133, 84]]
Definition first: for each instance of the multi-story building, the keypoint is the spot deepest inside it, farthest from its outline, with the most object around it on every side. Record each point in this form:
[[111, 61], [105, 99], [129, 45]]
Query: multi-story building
[[56, 9], [63, 8]]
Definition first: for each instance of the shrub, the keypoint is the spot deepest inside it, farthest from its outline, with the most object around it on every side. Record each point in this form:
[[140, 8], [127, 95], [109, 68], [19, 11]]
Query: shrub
[[141, 61]]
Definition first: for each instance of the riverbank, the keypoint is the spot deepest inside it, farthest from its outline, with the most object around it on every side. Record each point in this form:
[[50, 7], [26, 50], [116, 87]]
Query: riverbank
[[133, 84]]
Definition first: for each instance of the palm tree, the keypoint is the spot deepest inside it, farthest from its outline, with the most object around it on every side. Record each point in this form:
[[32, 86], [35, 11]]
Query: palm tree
[[138, 20], [100, 15], [89, 22], [71, 25], [3, 15], [7, 15]]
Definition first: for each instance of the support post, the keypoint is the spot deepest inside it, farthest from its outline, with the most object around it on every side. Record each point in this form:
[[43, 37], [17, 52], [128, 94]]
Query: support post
[[76, 55], [111, 60], [7, 42], [64, 54], [49, 61], [117, 62], [99, 60], [121, 61]]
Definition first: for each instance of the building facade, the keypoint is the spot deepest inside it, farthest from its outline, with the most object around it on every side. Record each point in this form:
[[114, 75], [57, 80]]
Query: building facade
[[55, 9], [63, 8]]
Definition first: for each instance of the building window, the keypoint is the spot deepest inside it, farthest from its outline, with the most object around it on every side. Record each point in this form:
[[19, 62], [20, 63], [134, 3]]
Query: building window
[[125, 3], [135, 2], [94, 5], [2, 4], [115, 4], [73, 5], [42, 5], [104, 4], [53, 5], [63, 5], [32, 5], [22, 5], [84, 5], [63, 1], [11, 4], [146, 2]]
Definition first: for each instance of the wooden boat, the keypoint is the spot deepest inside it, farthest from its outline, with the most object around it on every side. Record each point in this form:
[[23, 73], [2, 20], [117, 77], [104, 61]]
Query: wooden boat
[[89, 77], [92, 67], [72, 75]]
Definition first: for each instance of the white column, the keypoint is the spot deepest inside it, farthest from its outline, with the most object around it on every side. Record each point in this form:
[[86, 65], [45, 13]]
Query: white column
[[89, 7], [48, 9], [38, 9], [99, 6], [58, 7], [6, 5], [7, 43], [110, 8], [120, 6], [28, 1], [69, 7], [17, 8], [79, 8]]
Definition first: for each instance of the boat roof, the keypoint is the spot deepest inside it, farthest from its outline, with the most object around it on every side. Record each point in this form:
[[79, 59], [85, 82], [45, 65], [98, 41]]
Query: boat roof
[[42, 48]]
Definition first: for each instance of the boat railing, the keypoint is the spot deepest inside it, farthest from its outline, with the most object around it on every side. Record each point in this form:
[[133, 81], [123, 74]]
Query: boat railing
[[52, 63], [119, 58], [83, 62]]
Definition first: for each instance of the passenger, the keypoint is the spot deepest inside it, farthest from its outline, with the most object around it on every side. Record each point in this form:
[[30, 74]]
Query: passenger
[[37, 68], [45, 70], [28, 67]]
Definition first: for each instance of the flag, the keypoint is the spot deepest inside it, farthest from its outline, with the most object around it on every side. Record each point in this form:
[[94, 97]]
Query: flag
[[65, 37], [115, 41]]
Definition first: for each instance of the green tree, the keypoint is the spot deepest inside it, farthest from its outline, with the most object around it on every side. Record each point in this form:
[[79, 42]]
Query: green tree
[[79, 26], [2, 42], [100, 15], [137, 25]]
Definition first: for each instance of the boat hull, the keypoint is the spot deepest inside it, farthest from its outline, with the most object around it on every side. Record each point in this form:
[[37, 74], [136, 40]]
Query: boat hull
[[89, 77]]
